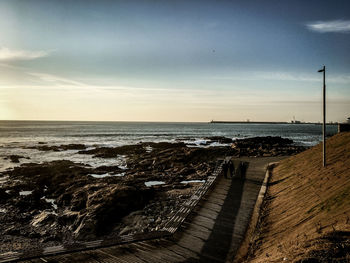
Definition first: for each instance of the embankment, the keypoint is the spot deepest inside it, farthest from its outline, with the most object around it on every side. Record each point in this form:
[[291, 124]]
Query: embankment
[[305, 216]]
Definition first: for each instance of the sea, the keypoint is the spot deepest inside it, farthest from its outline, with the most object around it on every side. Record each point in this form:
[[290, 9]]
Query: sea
[[16, 137]]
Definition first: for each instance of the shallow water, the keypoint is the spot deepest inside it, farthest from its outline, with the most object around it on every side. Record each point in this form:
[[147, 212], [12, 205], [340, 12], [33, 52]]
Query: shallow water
[[192, 181], [152, 183], [25, 193], [106, 175], [51, 201]]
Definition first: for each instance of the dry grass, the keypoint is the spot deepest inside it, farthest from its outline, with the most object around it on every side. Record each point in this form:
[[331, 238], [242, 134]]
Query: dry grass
[[306, 214]]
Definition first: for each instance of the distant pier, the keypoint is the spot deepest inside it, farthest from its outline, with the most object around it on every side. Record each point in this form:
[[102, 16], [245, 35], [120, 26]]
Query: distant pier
[[270, 122], [252, 122]]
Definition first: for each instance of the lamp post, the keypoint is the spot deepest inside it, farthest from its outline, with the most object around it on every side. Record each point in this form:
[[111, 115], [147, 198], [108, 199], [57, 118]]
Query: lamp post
[[324, 114]]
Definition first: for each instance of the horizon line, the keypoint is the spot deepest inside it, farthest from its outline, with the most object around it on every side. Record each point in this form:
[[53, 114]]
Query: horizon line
[[210, 121]]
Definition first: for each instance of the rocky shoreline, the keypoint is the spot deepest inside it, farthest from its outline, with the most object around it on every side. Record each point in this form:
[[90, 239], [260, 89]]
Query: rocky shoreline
[[60, 201]]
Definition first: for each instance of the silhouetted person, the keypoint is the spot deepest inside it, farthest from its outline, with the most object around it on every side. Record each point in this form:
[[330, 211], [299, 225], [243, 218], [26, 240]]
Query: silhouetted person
[[243, 168], [225, 168], [231, 168]]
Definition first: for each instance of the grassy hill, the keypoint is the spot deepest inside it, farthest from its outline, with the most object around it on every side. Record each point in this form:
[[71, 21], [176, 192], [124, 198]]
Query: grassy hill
[[306, 213]]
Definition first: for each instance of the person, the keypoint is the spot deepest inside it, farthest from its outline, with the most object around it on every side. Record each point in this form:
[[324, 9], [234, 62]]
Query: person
[[225, 168], [231, 168]]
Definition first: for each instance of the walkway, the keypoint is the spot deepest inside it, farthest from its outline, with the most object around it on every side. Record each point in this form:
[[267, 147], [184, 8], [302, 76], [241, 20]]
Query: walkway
[[212, 232]]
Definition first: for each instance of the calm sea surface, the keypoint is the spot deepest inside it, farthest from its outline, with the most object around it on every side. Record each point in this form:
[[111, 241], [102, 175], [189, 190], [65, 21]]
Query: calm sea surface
[[15, 136]]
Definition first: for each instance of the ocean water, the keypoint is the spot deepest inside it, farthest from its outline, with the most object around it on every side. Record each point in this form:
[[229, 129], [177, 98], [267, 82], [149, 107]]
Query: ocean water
[[16, 136]]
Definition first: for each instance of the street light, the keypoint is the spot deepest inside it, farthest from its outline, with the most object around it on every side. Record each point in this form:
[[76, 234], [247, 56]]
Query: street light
[[324, 114]]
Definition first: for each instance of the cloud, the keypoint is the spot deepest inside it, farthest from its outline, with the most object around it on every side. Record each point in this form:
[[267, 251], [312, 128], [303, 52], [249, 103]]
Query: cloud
[[7, 54], [337, 26], [331, 78], [56, 79], [71, 84], [285, 76]]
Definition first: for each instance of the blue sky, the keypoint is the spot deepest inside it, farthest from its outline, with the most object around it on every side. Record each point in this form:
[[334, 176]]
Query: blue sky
[[173, 60]]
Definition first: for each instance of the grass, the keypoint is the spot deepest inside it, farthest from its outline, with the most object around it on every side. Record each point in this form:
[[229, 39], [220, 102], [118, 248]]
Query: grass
[[307, 203]]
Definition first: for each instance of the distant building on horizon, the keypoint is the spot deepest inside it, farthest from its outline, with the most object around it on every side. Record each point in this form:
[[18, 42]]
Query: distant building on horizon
[[345, 126], [295, 121]]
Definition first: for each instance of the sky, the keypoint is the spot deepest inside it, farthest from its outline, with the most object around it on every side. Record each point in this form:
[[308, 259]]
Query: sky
[[159, 60]]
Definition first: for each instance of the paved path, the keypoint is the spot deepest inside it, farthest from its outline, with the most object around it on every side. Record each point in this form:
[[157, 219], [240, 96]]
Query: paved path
[[212, 232]]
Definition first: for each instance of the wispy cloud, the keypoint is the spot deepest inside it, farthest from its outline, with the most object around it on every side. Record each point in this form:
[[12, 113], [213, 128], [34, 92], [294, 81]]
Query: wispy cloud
[[341, 79], [337, 26], [71, 84], [56, 79], [284, 76], [7, 54]]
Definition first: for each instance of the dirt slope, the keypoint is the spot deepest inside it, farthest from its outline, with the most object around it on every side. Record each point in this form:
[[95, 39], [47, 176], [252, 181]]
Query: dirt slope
[[306, 214]]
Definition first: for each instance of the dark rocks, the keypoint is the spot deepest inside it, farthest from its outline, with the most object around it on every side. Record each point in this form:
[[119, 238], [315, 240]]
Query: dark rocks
[[68, 217], [137, 149], [265, 146], [199, 155], [106, 152], [44, 218], [108, 169], [219, 139], [65, 203], [75, 146], [78, 200], [3, 196], [107, 206], [271, 141], [164, 145], [58, 148], [12, 230], [15, 158], [51, 175]]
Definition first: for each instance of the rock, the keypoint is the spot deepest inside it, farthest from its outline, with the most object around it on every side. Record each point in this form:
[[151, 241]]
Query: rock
[[68, 217], [45, 148], [3, 195], [186, 171], [165, 145], [35, 234], [51, 238], [126, 230], [44, 218], [219, 139], [72, 146], [15, 158], [64, 199], [12, 230], [107, 152], [105, 206], [57, 148], [265, 146], [78, 201], [86, 229]]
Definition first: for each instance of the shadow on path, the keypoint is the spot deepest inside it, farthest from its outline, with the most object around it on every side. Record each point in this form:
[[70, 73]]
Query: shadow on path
[[218, 245]]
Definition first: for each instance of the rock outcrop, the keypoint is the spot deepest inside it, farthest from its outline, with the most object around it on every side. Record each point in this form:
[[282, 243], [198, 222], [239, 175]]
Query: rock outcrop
[[60, 201]]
